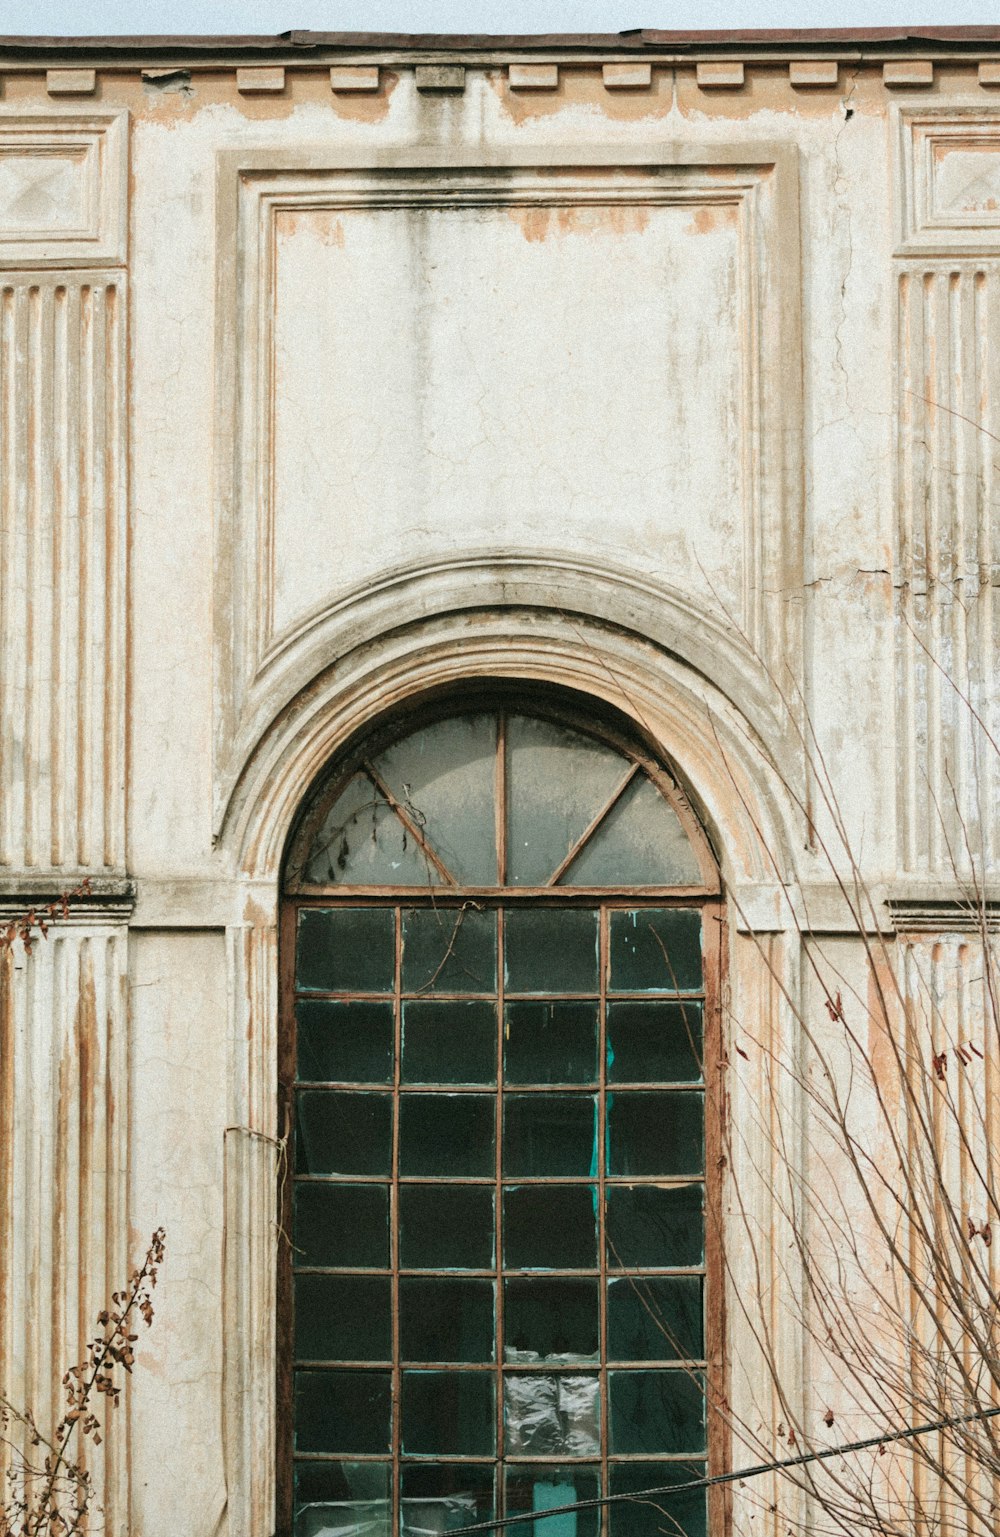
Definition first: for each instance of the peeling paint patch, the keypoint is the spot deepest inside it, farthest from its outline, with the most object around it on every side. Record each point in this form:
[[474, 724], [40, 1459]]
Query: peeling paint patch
[[713, 216], [540, 224], [322, 224], [167, 82]]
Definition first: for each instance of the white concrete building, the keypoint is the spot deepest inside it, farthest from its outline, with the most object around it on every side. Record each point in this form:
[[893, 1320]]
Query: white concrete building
[[536, 437]]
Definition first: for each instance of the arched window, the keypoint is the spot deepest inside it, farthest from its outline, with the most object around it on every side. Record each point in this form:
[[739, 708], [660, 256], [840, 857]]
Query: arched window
[[500, 946]]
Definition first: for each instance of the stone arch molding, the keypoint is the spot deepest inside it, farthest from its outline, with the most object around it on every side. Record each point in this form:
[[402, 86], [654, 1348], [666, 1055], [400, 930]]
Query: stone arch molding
[[685, 678], [697, 694]]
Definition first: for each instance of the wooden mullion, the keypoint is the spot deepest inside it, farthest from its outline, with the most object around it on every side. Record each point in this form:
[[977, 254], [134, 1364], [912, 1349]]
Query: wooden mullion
[[585, 837], [410, 825]]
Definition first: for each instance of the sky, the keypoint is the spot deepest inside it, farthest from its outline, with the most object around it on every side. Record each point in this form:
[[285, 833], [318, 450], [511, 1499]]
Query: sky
[[80, 17]]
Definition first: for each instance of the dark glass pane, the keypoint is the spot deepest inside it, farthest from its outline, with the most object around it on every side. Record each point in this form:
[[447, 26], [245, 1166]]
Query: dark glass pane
[[640, 843], [550, 1043], [655, 1318], [450, 1414], [447, 1134], [654, 1042], [444, 776], [552, 1416], [655, 950], [557, 1320], [449, 1042], [343, 1042], [550, 1134], [656, 1412], [347, 1412], [341, 1225], [346, 949], [342, 1133], [656, 1133], [362, 842], [550, 950], [653, 1225], [682, 1515], [446, 1227], [437, 1497], [341, 1499], [449, 950], [446, 1320], [343, 1318], [558, 780], [541, 1487], [550, 1227]]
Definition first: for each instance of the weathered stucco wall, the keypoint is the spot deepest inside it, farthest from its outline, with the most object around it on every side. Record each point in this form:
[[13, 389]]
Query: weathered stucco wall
[[314, 398]]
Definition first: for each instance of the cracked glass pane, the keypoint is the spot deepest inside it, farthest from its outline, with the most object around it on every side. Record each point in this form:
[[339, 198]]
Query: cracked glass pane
[[449, 1042], [439, 1498], [656, 1412], [346, 950], [670, 1513], [446, 1227], [342, 1499], [550, 1043], [444, 777], [650, 1226], [449, 1414], [362, 842], [557, 1415], [654, 1042], [557, 1320], [640, 843], [558, 781], [449, 950], [539, 1487]]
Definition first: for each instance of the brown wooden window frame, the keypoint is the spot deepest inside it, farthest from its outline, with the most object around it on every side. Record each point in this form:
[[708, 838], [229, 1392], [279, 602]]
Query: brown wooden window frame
[[707, 898]]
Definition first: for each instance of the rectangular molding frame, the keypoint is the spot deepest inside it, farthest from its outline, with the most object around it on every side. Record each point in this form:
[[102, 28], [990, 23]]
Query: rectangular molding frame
[[947, 524], [255, 665], [42, 155]]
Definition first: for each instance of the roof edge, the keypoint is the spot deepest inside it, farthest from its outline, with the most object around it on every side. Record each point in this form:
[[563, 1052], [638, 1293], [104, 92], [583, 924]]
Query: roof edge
[[649, 40]]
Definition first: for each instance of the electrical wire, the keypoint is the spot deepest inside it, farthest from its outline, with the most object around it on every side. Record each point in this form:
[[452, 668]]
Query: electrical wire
[[726, 1478]]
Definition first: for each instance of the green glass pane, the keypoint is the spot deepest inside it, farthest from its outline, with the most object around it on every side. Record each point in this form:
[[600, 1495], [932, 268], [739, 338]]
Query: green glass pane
[[655, 950], [540, 1487], [349, 1412], [446, 1227], [346, 949], [656, 1411], [547, 1134], [343, 1042], [362, 842], [654, 1042], [438, 1497], [550, 950], [558, 780], [446, 1320], [447, 1134], [550, 1042], [557, 1415], [551, 1320], [449, 1414], [449, 950], [341, 1132], [342, 1499], [448, 1042], [656, 1133], [682, 1515], [345, 1225], [640, 843], [652, 1226], [550, 1227], [343, 1318], [444, 776], [655, 1318]]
